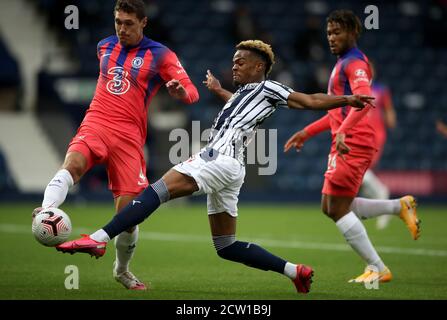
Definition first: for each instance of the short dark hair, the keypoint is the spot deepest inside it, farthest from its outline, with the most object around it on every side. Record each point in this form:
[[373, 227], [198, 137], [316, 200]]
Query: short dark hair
[[131, 6], [347, 20]]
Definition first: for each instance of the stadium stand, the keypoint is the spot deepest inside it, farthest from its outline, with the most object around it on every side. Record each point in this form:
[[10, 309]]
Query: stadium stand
[[6, 182], [10, 82], [412, 64]]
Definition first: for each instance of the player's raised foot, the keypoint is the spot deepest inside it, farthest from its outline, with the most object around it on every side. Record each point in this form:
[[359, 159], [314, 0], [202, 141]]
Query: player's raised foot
[[85, 245], [303, 278], [371, 274], [409, 216], [128, 279]]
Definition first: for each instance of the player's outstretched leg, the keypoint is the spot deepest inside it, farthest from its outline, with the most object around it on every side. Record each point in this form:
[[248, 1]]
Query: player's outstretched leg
[[254, 256], [132, 215], [404, 207], [223, 229]]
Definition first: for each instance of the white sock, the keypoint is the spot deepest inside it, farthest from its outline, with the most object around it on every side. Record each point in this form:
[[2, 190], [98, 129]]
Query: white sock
[[290, 270], [370, 208], [125, 244], [373, 188], [355, 234], [100, 236], [56, 191]]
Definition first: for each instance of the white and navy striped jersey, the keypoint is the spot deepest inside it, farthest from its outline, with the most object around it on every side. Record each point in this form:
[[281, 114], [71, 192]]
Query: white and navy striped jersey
[[248, 107]]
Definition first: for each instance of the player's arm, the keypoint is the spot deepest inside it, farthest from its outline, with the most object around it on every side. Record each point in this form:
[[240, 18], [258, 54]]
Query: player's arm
[[183, 90], [318, 101], [297, 140], [213, 85], [179, 85], [321, 101]]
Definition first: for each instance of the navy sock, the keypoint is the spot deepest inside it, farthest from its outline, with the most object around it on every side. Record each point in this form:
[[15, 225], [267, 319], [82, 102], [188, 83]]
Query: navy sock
[[252, 255], [134, 213]]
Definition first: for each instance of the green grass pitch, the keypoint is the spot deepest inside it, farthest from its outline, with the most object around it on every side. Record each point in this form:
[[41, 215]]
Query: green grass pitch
[[176, 257]]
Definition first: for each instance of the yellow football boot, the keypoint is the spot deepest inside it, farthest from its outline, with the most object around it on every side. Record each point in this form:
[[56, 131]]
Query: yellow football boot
[[371, 274], [409, 216]]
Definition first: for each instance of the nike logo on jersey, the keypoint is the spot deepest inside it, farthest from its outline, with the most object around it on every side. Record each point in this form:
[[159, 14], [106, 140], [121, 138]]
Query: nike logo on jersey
[[135, 201]]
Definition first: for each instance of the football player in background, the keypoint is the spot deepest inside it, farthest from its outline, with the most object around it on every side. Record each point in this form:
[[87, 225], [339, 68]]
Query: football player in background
[[218, 169], [132, 68], [352, 151]]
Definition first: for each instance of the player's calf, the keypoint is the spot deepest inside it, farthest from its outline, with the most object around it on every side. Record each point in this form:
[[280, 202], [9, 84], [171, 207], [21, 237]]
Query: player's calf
[[254, 256], [247, 253]]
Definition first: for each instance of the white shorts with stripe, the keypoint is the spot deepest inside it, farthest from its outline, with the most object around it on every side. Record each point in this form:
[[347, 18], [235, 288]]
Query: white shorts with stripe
[[217, 175]]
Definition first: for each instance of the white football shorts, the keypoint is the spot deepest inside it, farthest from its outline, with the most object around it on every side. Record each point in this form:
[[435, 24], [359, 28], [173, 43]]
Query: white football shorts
[[217, 175]]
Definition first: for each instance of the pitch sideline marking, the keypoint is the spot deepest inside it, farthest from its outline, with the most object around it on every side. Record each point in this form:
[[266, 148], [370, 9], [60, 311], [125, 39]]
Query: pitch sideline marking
[[158, 236]]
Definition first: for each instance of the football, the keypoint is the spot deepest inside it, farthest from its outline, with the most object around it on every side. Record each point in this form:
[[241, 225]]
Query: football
[[51, 227]]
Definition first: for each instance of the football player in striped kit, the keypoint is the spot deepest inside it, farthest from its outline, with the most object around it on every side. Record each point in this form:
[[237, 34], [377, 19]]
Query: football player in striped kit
[[218, 169]]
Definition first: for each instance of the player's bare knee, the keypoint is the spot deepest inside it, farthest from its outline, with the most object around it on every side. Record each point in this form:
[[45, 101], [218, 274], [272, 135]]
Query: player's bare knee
[[327, 211], [332, 214], [324, 209], [76, 164], [179, 184], [75, 173]]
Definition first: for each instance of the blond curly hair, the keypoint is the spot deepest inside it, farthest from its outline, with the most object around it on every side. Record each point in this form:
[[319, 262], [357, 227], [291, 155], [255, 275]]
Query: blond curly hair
[[262, 49]]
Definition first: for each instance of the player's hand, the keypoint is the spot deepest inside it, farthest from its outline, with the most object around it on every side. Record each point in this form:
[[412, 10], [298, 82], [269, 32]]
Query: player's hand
[[296, 141], [176, 90], [340, 145], [211, 82], [360, 101]]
